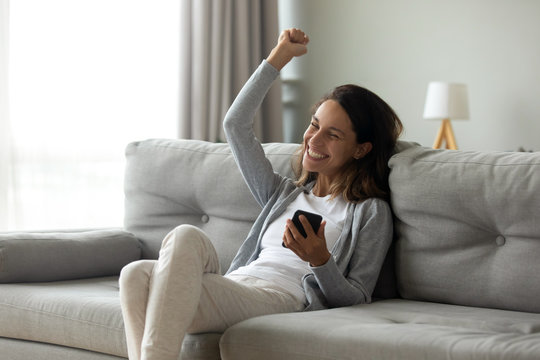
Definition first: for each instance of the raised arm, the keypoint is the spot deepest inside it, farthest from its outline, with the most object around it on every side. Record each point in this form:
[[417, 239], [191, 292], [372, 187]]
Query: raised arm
[[238, 123]]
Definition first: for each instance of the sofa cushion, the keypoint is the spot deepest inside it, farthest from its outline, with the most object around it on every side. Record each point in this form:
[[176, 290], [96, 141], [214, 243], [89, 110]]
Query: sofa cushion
[[389, 329], [30, 257], [78, 313], [468, 227], [15, 349], [82, 314], [173, 182]]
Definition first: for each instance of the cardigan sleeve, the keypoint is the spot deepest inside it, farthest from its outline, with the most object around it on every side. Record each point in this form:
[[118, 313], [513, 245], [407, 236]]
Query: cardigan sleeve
[[246, 148], [369, 240]]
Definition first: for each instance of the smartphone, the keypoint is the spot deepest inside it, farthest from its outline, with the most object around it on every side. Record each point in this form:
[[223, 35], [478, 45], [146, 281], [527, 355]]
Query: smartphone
[[314, 220]]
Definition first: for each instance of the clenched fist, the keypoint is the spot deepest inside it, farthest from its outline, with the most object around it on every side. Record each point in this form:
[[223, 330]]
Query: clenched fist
[[291, 42]]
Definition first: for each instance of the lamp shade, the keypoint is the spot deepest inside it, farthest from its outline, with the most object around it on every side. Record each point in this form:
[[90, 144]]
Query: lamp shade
[[446, 101]]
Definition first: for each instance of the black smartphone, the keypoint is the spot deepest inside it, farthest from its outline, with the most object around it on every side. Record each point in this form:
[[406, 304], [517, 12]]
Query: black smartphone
[[314, 220]]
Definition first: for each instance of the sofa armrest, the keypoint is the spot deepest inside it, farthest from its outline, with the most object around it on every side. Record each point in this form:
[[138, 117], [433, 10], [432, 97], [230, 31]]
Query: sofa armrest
[[54, 256]]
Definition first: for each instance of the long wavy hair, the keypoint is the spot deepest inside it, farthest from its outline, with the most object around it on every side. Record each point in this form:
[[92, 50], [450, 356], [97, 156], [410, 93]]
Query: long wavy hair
[[373, 121]]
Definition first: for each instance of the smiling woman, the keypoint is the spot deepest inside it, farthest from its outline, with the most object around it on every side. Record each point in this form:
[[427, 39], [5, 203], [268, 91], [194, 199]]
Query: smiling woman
[[346, 126], [279, 267], [86, 78]]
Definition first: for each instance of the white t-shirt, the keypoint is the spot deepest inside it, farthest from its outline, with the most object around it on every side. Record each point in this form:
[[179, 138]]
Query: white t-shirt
[[280, 265]]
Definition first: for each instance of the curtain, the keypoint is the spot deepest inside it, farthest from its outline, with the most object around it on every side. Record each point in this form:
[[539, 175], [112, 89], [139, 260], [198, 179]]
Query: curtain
[[78, 93], [5, 131], [221, 43]]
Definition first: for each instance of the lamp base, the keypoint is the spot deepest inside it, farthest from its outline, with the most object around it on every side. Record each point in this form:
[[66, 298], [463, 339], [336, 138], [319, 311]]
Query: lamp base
[[447, 134]]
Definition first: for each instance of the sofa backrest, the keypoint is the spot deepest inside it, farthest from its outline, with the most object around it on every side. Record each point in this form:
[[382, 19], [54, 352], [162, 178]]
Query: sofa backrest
[[468, 227], [173, 182]]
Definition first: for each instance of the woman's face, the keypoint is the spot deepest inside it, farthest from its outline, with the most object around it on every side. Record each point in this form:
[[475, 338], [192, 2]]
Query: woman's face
[[330, 141]]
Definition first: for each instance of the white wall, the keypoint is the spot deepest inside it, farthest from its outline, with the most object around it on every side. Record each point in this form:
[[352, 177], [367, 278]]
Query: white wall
[[396, 47]]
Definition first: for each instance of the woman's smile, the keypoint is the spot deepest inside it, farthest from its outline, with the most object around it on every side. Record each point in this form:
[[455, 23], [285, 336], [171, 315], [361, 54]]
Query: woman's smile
[[315, 155], [330, 140]]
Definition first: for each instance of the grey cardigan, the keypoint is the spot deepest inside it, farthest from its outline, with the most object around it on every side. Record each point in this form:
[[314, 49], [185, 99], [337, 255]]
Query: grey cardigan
[[350, 275]]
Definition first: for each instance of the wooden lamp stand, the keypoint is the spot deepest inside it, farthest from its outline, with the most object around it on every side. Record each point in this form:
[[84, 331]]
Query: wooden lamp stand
[[447, 134]]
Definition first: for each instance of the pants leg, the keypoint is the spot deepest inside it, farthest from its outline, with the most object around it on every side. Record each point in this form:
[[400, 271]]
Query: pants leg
[[226, 301], [175, 288], [183, 291], [134, 281], [159, 298]]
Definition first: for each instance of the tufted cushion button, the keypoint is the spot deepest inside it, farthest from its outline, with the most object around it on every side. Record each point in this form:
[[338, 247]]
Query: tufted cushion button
[[205, 218], [500, 240]]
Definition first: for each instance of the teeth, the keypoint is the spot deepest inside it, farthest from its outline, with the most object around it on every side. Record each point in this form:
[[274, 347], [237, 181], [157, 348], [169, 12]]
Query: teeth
[[315, 155]]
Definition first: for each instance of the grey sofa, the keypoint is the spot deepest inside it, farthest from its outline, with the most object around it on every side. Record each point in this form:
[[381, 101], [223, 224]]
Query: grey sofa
[[461, 281]]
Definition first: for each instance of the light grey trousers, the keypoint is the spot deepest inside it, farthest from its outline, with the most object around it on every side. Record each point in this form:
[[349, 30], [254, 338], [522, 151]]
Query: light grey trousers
[[183, 292]]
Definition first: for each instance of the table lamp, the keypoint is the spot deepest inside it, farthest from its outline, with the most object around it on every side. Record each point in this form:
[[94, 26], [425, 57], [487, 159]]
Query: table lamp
[[446, 101]]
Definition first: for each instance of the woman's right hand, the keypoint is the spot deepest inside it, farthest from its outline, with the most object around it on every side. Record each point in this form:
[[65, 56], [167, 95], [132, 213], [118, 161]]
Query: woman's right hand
[[291, 42]]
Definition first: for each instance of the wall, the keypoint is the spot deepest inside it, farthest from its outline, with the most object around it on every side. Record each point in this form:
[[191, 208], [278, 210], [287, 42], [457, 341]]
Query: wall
[[396, 47]]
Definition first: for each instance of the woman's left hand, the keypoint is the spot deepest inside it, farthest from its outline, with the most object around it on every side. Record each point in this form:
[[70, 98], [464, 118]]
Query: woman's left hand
[[311, 248]]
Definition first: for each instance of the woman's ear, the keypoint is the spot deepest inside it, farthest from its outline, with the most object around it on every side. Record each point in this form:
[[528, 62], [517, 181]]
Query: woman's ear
[[362, 150]]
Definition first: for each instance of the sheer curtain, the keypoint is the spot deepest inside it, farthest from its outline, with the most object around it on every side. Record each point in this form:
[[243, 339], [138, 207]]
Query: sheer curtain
[[222, 42], [86, 77], [5, 131]]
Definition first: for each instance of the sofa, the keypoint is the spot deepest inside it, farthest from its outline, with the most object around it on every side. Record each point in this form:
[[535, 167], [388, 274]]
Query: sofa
[[461, 280]]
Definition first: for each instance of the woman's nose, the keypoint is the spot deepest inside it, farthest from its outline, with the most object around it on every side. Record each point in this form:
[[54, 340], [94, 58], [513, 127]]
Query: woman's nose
[[315, 138]]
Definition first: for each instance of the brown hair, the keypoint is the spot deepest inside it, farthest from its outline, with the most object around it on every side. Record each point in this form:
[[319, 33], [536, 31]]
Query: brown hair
[[373, 121]]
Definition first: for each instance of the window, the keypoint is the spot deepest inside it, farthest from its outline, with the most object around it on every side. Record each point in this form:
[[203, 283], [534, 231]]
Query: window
[[85, 78]]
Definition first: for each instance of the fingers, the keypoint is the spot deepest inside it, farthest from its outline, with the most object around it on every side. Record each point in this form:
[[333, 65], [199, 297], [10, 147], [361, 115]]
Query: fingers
[[307, 226], [320, 233], [297, 36], [288, 238], [291, 234], [291, 43], [292, 239], [309, 229], [311, 248]]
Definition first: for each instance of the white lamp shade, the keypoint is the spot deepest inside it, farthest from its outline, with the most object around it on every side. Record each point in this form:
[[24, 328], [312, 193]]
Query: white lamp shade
[[446, 101]]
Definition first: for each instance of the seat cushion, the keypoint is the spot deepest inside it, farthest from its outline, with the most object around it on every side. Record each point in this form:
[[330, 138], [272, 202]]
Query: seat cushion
[[14, 349], [388, 329], [77, 313], [468, 229], [82, 314]]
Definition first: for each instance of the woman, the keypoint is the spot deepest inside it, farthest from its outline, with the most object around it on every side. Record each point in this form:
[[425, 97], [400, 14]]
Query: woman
[[342, 176]]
